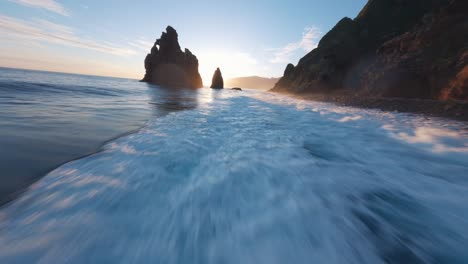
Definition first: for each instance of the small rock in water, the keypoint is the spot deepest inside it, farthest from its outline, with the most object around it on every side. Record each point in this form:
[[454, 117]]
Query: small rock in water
[[217, 82]]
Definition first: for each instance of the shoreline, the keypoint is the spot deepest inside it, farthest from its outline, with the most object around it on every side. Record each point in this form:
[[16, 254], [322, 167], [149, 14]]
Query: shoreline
[[432, 108], [5, 201]]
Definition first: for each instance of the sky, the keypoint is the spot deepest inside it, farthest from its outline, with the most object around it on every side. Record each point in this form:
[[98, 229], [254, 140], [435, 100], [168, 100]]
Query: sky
[[112, 38]]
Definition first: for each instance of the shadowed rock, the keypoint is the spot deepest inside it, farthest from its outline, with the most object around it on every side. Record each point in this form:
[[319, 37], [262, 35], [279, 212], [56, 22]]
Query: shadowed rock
[[393, 48], [217, 82], [429, 61], [167, 65]]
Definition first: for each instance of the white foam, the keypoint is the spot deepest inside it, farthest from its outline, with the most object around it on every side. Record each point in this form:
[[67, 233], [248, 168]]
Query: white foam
[[252, 178]]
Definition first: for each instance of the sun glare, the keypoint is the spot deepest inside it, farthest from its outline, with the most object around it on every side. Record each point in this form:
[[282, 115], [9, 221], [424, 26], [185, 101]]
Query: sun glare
[[232, 64]]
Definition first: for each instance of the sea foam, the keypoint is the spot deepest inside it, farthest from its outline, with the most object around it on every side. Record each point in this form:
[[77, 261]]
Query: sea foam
[[254, 178]]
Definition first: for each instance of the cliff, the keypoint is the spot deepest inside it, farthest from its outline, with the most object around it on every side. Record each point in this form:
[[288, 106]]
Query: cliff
[[393, 48], [167, 65]]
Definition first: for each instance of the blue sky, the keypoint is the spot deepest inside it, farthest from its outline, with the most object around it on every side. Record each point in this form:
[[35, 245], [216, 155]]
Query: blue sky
[[243, 37]]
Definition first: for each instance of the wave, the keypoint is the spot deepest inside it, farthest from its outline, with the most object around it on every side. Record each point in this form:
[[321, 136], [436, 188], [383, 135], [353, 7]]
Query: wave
[[47, 119], [57, 89], [254, 178]]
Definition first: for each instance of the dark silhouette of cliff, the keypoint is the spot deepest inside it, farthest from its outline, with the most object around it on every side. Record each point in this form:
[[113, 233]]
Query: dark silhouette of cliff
[[217, 81], [393, 48], [167, 65]]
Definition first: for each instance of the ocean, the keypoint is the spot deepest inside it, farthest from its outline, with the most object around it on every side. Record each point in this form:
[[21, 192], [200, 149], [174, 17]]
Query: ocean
[[47, 119], [126, 172]]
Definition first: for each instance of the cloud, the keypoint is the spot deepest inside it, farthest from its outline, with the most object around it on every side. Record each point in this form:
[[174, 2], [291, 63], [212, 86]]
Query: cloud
[[27, 57], [142, 44], [46, 31], [309, 41], [52, 27], [49, 5]]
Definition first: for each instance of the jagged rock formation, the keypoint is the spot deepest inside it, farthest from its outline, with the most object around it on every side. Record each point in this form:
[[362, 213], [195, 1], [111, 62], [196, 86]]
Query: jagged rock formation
[[167, 65], [217, 82], [393, 48]]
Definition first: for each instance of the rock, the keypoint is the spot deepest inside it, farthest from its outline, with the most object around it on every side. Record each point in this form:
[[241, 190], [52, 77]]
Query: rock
[[167, 65], [217, 82], [237, 89], [429, 61], [289, 69], [322, 66], [393, 48]]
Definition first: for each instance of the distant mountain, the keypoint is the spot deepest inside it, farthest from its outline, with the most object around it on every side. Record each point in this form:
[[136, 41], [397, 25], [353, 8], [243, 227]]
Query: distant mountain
[[254, 82]]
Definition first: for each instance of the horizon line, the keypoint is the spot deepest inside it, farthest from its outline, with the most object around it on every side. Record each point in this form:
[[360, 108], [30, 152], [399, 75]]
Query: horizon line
[[113, 76]]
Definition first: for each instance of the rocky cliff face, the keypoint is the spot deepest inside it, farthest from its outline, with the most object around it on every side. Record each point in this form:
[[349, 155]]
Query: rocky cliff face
[[393, 48], [217, 81], [429, 61], [167, 65]]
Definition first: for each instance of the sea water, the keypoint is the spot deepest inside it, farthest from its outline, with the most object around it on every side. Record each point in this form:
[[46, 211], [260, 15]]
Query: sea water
[[254, 177], [47, 119]]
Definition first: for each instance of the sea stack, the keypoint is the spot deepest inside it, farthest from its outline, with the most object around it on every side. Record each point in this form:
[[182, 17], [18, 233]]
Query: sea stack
[[217, 82], [167, 65]]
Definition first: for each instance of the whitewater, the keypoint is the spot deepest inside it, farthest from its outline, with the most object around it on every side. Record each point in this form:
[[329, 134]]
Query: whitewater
[[254, 177]]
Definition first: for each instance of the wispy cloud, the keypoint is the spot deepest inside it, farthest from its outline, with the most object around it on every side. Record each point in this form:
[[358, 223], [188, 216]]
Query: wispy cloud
[[46, 31], [142, 44], [50, 5], [309, 41]]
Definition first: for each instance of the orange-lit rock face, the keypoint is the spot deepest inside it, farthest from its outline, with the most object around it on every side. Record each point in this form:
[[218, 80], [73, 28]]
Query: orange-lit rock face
[[458, 87]]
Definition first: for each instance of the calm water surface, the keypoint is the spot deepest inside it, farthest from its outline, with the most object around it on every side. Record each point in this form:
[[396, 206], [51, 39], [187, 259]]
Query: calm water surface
[[47, 119]]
